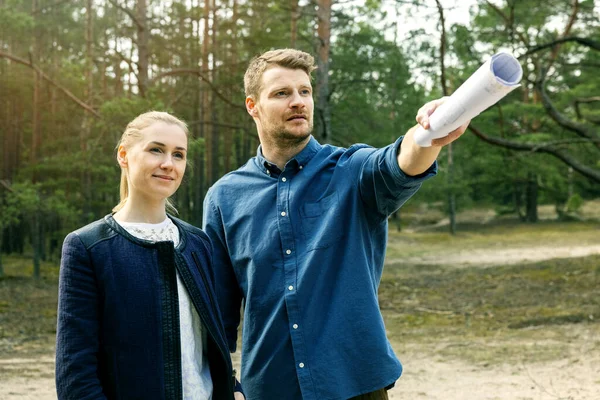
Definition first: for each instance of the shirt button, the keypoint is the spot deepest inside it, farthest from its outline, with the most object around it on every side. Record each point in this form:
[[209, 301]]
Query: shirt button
[[295, 326], [283, 179], [283, 213], [300, 167], [301, 365], [290, 287], [288, 252]]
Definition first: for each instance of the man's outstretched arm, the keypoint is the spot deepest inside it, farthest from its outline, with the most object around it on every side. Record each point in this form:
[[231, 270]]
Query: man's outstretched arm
[[414, 159]]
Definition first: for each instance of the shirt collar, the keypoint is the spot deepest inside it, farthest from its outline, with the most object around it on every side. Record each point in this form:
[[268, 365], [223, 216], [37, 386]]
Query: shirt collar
[[301, 159]]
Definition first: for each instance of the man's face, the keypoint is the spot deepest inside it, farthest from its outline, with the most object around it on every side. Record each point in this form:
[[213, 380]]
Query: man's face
[[284, 109]]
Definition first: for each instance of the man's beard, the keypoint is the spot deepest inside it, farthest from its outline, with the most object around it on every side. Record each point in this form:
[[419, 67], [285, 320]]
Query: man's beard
[[292, 139]]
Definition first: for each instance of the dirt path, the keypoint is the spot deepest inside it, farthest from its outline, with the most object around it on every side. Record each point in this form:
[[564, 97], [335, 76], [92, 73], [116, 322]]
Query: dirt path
[[491, 257]]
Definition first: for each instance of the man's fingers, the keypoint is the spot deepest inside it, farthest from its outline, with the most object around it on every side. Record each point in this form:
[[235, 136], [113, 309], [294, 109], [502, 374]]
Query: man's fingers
[[452, 136], [426, 111]]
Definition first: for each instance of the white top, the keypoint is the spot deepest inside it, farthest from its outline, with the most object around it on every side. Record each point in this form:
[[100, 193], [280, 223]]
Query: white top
[[195, 372]]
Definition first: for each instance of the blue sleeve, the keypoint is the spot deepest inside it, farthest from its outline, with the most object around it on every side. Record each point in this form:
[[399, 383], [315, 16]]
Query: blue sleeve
[[229, 295], [383, 186], [77, 333]]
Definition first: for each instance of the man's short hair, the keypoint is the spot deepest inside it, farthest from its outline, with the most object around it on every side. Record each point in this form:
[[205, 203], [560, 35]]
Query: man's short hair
[[286, 58]]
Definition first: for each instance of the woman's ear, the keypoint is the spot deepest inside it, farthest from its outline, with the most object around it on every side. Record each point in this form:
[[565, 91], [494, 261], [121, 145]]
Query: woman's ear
[[122, 156]]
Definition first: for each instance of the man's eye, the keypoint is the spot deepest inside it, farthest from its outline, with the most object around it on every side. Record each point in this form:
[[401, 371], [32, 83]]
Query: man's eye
[[305, 92], [280, 94]]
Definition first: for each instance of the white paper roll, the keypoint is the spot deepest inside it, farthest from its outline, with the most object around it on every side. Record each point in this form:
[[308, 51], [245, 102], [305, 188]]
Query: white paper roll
[[496, 78]]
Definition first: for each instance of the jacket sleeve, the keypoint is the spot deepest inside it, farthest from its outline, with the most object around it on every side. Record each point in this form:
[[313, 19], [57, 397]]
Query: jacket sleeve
[[77, 333], [384, 187], [229, 295]]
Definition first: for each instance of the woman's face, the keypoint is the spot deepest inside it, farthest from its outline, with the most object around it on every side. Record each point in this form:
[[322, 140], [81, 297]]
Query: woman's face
[[155, 164]]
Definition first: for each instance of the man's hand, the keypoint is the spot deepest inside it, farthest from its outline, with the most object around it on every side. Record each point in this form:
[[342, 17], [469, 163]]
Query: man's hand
[[423, 119], [238, 396], [414, 159]]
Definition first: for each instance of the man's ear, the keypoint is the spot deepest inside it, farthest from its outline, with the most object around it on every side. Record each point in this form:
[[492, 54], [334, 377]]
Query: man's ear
[[251, 106], [122, 156]]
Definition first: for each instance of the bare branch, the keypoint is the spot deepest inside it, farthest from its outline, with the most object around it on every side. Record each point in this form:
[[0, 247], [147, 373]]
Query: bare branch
[[198, 73], [507, 20], [126, 11], [132, 68], [591, 173], [592, 44], [6, 184], [580, 129], [442, 48], [50, 6], [66, 91]]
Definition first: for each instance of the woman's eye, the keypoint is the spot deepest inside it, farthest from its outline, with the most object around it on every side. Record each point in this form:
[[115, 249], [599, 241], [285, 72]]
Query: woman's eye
[[181, 156], [155, 150]]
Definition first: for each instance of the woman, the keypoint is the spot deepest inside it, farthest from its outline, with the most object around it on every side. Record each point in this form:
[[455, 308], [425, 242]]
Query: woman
[[137, 317]]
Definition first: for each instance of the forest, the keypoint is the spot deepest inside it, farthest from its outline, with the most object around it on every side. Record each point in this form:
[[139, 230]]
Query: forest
[[73, 73]]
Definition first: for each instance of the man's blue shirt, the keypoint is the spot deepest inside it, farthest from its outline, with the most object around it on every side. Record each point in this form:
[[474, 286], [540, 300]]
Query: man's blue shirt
[[304, 248]]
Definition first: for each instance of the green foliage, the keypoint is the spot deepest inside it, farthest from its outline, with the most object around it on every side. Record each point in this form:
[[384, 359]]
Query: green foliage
[[378, 81], [574, 203], [370, 86], [16, 21]]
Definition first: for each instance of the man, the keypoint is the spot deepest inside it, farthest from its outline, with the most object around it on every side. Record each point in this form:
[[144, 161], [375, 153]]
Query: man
[[299, 233]]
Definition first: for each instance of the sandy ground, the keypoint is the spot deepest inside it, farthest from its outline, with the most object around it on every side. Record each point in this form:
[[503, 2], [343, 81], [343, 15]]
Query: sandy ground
[[575, 376], [426, 376], [491, 257], [450, 380]]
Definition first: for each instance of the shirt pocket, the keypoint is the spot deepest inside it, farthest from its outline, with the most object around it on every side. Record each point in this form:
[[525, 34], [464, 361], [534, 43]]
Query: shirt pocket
[[321, 224]]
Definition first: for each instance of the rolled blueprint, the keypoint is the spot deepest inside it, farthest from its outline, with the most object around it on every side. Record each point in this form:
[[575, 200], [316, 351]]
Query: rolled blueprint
[[496, 78]]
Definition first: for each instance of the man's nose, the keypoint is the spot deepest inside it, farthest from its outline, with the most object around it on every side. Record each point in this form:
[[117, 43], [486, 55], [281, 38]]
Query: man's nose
[[296, 101]]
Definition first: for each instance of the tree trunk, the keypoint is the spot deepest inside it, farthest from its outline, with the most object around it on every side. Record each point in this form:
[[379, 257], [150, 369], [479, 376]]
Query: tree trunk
[[450, 178], [531, 197], [232, 138], [451, 194], [215, 132], [36, 243], [142, 42], [323, 48], [294, 23], [1, 247], [518, 200], [85, 132], [36, 140], [206, 98]]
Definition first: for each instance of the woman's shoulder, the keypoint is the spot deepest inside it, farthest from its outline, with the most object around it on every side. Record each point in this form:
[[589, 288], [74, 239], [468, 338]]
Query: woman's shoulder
[[93, 233]]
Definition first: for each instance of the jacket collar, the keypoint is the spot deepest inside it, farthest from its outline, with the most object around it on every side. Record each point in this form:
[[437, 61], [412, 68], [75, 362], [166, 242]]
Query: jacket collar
[[146, 243]]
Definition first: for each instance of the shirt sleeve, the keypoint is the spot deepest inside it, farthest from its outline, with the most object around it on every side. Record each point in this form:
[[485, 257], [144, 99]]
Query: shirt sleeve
[[77, 333], [229, 297], [383, 186]]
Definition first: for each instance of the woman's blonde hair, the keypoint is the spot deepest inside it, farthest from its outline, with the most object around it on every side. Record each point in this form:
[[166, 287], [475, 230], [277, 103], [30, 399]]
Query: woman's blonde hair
[[132, 134]]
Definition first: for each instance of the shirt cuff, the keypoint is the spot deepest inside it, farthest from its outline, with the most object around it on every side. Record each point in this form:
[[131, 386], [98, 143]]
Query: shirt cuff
[[399, 176]]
